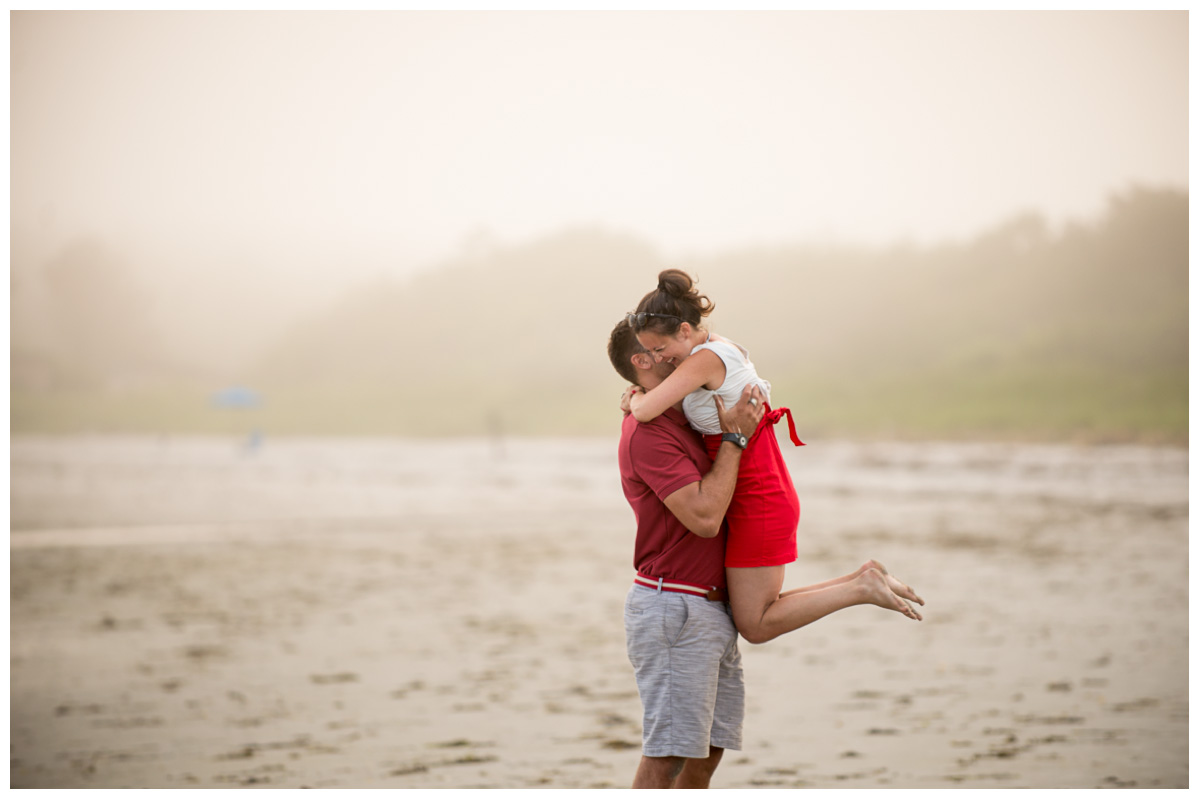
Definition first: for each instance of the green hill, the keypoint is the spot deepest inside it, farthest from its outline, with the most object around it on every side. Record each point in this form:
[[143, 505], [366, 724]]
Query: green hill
[[1023, 331]]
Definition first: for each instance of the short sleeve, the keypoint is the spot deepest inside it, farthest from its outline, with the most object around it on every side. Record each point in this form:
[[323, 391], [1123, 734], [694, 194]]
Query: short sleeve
[[662, 463], [733, 357]]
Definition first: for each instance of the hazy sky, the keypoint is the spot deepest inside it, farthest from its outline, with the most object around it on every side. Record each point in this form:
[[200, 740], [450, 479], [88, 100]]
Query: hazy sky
[[397, 134]]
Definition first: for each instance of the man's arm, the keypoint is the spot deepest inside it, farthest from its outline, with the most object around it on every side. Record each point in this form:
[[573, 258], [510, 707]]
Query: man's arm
[[701, 506]]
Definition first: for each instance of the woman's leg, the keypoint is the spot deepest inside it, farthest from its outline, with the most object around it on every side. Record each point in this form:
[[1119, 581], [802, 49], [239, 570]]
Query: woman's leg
[[761, 613], [898, 587]]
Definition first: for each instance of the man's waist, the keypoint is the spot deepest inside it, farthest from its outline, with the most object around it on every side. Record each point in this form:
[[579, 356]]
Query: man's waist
[[663, 584]]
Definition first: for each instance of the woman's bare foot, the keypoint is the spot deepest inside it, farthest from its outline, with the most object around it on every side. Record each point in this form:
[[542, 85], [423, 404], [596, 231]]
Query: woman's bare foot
[[879, 592], [902, 589]]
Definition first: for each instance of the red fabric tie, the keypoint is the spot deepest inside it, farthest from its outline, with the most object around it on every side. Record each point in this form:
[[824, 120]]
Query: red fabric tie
[[774, 415]]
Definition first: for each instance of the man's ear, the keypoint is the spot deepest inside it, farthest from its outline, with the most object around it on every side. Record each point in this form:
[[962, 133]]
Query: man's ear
[[642, 360]]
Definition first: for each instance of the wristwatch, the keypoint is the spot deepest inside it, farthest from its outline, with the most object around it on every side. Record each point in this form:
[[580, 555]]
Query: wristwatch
[[737, 438]]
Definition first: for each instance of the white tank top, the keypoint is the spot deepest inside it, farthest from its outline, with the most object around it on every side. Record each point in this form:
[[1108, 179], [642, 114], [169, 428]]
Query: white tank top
[[699, 408]]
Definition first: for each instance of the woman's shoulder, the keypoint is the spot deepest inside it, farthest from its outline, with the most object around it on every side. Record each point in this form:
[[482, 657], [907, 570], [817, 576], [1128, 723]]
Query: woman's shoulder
[[719, 345]]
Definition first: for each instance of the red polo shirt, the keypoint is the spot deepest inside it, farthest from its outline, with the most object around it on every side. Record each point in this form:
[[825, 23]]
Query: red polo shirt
[[657, 458]]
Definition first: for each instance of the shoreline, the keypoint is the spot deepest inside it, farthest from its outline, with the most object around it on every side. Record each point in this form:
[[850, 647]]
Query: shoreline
[[331, 616]]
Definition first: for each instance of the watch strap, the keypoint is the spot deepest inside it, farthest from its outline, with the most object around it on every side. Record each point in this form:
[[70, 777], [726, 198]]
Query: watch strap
[[737, 438]]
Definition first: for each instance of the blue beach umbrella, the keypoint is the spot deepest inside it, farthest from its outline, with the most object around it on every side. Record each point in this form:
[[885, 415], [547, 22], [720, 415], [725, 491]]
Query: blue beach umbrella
[[236, 397], [240, 398]]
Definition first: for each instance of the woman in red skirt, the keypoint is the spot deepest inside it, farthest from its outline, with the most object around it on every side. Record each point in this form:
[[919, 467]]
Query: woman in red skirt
[[765, 511]]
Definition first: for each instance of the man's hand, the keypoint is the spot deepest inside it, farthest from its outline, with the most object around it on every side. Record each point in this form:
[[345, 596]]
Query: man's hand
[[625, 398], [745, 416], [701, 506]]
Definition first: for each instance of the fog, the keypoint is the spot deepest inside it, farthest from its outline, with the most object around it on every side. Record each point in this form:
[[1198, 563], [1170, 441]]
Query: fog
[[193, 194]]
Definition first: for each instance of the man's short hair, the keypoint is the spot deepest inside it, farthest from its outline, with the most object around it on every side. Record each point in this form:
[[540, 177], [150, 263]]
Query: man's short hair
[[622, 346]]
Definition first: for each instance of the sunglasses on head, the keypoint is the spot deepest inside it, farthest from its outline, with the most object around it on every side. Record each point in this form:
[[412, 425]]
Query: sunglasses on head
[[638, 319]]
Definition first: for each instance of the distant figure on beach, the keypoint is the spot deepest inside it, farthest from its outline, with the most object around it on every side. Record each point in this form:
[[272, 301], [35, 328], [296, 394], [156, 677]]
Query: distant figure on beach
[[494, 424], [683, 613]]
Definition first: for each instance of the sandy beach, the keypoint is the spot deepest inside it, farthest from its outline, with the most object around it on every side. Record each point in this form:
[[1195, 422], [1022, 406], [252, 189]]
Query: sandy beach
[[206, 612]]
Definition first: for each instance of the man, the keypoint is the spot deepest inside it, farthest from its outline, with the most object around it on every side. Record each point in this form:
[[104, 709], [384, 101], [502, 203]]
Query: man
[[679, 630]]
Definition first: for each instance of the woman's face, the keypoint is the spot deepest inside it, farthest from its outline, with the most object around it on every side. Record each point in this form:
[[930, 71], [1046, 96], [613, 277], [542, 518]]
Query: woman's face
[[672, 349]]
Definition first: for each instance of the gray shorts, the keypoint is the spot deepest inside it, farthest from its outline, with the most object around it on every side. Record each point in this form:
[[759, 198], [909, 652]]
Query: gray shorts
[[689, 672]]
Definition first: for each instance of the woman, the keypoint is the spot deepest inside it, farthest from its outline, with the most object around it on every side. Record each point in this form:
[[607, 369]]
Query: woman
[[765, 510]]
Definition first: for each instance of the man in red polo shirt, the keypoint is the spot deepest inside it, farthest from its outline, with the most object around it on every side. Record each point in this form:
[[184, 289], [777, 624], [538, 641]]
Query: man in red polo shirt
[[678, 627]]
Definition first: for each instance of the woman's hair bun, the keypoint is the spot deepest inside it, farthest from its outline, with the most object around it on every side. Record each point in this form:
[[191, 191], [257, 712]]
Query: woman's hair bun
[[674, 282], [674, 301]]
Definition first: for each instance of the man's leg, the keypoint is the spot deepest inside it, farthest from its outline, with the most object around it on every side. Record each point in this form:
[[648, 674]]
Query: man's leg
[[697, 772], [677, 644], [658, 772]]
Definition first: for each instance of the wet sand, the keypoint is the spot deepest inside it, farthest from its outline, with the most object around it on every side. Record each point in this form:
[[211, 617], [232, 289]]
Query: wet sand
[[435, 614]]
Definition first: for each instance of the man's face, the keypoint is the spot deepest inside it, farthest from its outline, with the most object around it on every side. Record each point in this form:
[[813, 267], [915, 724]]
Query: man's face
[[662, 369], [657, 370]]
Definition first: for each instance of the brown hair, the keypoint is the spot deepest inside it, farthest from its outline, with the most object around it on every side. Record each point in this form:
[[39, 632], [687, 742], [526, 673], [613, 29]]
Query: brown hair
[[676, 297], [622, 346]]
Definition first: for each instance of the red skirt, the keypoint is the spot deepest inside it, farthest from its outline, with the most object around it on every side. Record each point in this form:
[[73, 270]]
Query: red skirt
[[765, 510]]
